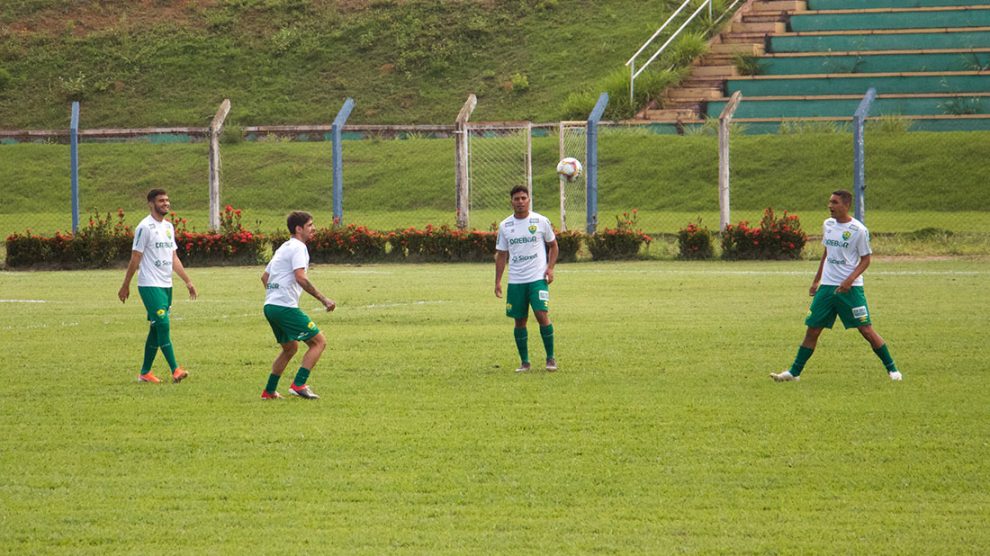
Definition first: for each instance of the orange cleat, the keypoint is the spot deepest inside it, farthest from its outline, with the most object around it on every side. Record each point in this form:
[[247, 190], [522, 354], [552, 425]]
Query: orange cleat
[[179, 374], [272, 396], [148, 377]]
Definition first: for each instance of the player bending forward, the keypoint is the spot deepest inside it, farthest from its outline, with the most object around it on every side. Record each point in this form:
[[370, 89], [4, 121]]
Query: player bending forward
[[284, 279], [523, 242], [838, 287]]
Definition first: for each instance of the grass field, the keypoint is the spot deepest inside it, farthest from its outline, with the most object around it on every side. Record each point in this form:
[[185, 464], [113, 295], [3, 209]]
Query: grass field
[[661, 433]]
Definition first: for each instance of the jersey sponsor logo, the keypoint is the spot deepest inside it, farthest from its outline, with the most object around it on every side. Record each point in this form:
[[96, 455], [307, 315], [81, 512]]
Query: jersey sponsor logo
[[836, 261], [164, 244], [534, 220], [273, 285], [523, 258], [544, 295], [160, 312], [161, 263], [860, 313], [836, 243], [517, 240], [532, 229], [311, 325], [510, 224], [846, 235]]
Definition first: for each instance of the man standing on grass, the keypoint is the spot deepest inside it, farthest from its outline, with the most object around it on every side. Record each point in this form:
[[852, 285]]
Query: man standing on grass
[[154, 258], [523, 242], [284, 279], [838, 287]]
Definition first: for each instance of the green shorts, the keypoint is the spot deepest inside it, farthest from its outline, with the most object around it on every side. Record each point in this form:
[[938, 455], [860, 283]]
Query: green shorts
[[157, 301], [850, 307], [520, 297], [290, 324]]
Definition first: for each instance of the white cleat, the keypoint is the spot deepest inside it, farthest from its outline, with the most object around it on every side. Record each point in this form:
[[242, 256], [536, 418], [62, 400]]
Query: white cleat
[[524, 368], [784, 376], [896, 375], [303, 392], [551, 365]]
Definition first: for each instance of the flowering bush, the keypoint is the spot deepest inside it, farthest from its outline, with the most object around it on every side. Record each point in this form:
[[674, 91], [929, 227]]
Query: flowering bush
[[775, 238], [232, 244], [349, 244], [694, 242], [568, 243], [442, 244], [100, 244], [621, 242]]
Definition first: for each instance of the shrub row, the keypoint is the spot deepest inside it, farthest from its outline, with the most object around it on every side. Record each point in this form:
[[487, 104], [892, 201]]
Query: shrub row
[[774, 239]]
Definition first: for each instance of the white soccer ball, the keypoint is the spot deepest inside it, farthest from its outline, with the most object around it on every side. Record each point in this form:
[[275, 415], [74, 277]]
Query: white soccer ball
[[569, 168]]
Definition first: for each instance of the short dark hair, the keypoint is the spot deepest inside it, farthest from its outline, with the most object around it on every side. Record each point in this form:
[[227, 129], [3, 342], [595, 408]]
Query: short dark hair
[[517, 189], [154, 193], [296, 219], [846, 196]]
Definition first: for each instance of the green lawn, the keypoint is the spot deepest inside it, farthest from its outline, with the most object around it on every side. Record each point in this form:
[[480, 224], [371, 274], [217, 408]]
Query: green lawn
[[660, 434]]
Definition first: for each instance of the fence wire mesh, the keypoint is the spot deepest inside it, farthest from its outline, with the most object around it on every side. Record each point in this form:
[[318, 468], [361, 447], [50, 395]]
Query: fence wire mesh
[[499, 158], [573, 138]]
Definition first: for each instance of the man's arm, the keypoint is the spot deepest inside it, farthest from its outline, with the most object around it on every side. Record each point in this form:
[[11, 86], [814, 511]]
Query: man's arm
[[864, 262], [264, 279], [501, 259], [132, 266], [181, 271], [552, 259], [309, 288], [818, 275]]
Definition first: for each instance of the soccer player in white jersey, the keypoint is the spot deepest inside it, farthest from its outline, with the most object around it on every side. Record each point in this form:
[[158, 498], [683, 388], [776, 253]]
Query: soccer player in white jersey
[[284, 279], [526, 243], [838, 287], [154, 258]]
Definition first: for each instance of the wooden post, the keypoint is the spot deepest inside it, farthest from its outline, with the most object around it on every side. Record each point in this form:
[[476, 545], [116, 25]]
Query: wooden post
[[461, 175], [216, 128], [723, 159]]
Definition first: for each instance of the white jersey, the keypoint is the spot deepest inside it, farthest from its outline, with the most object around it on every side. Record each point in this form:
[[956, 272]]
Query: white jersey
[[845, 244], [526, 241], [156, 242], [283, 290]]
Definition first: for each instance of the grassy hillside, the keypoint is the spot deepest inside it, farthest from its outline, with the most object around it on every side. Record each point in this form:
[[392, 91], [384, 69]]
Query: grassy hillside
[[171, 62]]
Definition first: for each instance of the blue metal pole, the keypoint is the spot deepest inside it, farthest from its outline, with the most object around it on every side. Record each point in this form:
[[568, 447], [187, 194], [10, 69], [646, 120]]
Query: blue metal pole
[[338, 161], [592, 162], [74, 164], [859, 153]]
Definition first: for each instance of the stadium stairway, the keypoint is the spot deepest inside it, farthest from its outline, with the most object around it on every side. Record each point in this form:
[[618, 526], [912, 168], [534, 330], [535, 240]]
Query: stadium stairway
[[813, 60]]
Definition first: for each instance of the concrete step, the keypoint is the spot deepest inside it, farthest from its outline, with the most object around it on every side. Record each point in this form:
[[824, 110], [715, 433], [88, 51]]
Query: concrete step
[[732, 48], [670, 115], [687, 94], [767, 17], [789, 6], [753, 38], [764, 27], [713, 71]]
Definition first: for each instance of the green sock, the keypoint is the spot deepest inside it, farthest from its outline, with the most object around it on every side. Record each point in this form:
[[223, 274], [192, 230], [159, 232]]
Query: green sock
[[522, 341], [272, 383], [150, 351], [165, 342], [803, 355], [546, 332], [302, 375], [884, 354]]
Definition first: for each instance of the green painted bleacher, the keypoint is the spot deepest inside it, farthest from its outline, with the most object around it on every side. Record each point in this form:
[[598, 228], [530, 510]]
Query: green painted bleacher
[[925, 18], [845, 106], [871, 40], [876, 62], [851, 84], [860, 4], [933, 123]]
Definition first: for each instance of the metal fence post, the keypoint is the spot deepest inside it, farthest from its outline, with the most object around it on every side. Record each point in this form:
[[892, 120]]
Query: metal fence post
[[724, 121], [592, 162], [859, 153], [461, 174], [338, 160], [74, 164]]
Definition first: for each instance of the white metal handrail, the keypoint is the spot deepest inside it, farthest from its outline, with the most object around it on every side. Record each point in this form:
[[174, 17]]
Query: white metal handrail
[[634, 73]]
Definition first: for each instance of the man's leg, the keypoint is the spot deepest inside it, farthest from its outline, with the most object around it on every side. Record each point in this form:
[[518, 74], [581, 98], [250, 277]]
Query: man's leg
[[880, 348], [804, 352], [546, 333], [150, 350], [521, 336], [278, 366], [316, 345]]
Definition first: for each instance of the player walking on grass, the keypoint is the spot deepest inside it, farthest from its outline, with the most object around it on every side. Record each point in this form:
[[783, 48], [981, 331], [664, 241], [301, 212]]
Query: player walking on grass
[[284, 279], [526, 243], [838, 287], [154, 258]]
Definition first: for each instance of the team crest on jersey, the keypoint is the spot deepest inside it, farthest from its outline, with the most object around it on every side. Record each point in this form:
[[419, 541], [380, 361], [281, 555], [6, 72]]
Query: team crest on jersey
[[160, 312], [532, 229], [311, 325], [168, 234], [846, 235]]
